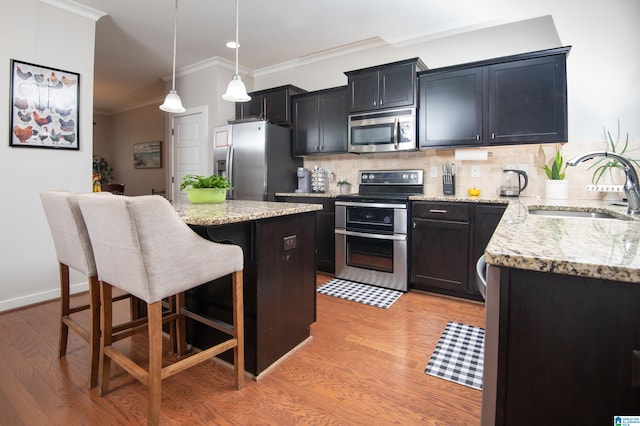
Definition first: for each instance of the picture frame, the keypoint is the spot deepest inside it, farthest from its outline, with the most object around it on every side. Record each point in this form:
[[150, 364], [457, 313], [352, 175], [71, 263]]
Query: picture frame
[[45, 107], [147, 155]]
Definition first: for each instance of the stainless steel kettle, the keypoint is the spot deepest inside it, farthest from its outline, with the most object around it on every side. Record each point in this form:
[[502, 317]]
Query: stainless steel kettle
[[512, 184]]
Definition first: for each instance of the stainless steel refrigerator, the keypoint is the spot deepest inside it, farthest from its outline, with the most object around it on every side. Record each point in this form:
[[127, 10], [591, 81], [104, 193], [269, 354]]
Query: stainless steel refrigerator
[[256, 157]]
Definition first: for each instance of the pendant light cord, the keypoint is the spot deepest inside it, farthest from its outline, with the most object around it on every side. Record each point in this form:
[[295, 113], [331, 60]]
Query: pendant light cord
[[175, 30], [237, 25]]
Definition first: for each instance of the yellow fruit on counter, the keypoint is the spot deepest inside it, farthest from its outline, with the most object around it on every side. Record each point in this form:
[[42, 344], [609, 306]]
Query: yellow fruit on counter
[[474, 192]]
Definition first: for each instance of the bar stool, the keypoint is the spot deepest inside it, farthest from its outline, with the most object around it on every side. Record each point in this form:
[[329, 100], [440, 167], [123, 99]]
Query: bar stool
[[73, 250], [148, 251]]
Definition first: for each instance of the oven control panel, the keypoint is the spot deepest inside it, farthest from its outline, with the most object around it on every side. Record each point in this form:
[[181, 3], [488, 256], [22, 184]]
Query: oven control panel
[[391, 177]]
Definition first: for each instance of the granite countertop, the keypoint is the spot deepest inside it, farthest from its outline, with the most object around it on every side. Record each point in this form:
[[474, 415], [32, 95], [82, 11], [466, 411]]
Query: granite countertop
[[596, 248], [234, 211]]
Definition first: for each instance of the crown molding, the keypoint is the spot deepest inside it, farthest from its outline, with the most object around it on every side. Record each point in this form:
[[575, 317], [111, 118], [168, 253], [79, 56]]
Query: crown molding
[[75, 8], [213, 62]]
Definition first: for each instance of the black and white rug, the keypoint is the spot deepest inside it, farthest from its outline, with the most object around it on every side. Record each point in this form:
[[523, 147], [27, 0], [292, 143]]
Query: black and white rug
[[459, 355], [361, 293]]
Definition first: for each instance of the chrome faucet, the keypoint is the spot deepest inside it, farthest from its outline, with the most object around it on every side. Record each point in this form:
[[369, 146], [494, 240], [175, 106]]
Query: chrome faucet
[[631, 184]]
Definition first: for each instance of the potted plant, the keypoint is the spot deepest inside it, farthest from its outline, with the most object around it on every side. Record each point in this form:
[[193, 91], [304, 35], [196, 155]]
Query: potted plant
[[344, 185], [611, 165], [102, 168], [556, 187], [205, 189]]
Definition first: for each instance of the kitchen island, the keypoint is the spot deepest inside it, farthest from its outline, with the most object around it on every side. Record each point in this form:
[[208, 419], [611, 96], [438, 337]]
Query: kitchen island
[[278, 241], [562, 315]]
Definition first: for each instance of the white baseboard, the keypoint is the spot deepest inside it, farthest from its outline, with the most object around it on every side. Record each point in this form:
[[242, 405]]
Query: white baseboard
[[31, 299]]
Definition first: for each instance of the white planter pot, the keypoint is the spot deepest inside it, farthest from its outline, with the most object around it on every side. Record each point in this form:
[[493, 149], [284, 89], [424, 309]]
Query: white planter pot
[[557, 189]]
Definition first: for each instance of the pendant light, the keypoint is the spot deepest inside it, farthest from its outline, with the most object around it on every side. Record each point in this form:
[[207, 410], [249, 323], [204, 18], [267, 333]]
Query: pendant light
[[236, 92], [172, 102]]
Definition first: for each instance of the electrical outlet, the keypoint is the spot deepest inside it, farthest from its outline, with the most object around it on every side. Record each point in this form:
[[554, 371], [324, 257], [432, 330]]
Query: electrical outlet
[[290, 242], [475, 171], [434, 171]]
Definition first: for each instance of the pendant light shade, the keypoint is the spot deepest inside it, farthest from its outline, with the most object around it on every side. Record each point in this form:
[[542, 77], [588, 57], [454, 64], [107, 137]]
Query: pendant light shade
[[173, 103], [236, 92]]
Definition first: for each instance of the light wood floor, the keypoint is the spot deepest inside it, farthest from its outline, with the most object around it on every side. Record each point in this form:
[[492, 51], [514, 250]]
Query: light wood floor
[[364, 366]]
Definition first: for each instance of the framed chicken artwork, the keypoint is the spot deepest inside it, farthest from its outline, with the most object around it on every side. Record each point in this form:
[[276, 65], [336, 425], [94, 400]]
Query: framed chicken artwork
[[44, 107]]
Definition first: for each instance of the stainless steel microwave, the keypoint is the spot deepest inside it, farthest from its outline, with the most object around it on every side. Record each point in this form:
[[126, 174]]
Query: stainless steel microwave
[[383, 131]]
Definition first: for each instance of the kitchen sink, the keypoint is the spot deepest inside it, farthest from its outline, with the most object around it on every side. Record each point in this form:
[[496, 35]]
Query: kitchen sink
[[573, 214]]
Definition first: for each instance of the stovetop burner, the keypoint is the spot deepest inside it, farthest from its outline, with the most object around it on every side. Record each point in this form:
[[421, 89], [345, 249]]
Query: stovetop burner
[[387, 185]]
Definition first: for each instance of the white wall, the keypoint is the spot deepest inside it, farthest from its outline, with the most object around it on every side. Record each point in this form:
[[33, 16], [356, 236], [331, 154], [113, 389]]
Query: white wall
[[40, 34]]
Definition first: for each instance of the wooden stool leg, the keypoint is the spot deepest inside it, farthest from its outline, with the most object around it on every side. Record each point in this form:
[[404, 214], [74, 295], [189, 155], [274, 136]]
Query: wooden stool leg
[[64, 309], [155, 361], [173, 325], [106, 316], [238, 329], [180, 333], [94, 331]]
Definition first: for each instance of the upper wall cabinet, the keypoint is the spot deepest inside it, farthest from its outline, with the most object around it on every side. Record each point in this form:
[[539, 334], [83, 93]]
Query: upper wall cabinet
[[274, 105], [385, 86], [511, 100], [320, 122]]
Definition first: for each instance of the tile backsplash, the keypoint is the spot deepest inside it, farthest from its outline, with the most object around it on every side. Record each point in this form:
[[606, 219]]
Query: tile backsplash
[[530, 157]]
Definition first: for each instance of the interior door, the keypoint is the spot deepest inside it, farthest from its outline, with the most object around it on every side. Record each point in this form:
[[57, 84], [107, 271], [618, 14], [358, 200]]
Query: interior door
[[189, 150]]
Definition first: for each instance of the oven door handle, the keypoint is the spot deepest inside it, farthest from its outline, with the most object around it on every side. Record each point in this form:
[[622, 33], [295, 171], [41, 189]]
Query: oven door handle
[[376, 205], [396, 130], [394, 237]]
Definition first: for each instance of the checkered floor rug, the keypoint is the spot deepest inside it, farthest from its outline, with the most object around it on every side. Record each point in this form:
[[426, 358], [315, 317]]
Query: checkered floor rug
[[459, 355], [362, 293]]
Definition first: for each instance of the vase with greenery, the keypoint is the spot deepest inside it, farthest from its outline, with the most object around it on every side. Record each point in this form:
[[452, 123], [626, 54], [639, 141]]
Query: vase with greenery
[[344, 185], [205, 189], [556, 186], [102, 168], [607, 165]]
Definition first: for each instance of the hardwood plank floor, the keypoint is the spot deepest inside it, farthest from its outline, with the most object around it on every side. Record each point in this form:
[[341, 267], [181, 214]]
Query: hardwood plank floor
[[364, 366]]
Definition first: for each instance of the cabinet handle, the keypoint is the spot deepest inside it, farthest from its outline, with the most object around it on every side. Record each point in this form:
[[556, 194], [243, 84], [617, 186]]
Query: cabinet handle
[[437, 211], [493, 136], [477, 137], [381, 102], [375, 103], [414, 225]]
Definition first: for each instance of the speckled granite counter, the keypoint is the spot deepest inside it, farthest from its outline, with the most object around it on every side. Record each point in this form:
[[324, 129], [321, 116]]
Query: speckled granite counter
[[596, 248], [234, 211], [308, 194]]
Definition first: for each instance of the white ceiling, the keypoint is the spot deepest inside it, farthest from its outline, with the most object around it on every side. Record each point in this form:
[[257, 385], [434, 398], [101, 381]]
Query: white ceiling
[[134, 41]]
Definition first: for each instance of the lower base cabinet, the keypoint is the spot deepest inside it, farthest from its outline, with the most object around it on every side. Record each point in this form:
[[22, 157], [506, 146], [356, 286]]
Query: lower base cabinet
[[446, 240], [568, 348], [325, 226]]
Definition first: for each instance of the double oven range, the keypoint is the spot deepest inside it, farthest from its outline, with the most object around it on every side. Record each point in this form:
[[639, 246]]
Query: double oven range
[[372, 228]]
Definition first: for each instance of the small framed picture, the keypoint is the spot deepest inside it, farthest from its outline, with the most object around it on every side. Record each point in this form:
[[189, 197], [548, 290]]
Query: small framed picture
[[44, 107], [147, 155]]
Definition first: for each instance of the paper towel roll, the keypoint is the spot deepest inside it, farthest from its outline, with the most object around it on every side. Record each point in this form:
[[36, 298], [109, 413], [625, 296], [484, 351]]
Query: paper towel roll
[[472, 154]]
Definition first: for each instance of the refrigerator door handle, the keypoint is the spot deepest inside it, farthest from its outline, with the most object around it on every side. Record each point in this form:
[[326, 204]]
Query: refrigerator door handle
[[230, 171]]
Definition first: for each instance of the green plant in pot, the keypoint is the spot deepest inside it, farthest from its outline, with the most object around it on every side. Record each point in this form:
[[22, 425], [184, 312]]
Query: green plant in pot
[[556, 186], [102, 168], [608, 164], [344, 185], [205, 189]]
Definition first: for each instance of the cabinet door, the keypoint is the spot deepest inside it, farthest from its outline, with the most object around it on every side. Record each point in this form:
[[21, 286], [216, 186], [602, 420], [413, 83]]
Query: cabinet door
[[364, 92], [253, 108], [440, 254], [528, 101], [333, 121], [276, 106], [451, 106], [397, 86], [306, 124], [486, 220]]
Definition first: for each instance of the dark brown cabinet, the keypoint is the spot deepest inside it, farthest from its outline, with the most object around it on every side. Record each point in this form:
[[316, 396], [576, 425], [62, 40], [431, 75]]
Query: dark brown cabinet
[[568, 347], [440, 246], [320, 122], [511, 100], [325, 226], [274, 105], [386, 86], [446, 240], [279, 288]]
